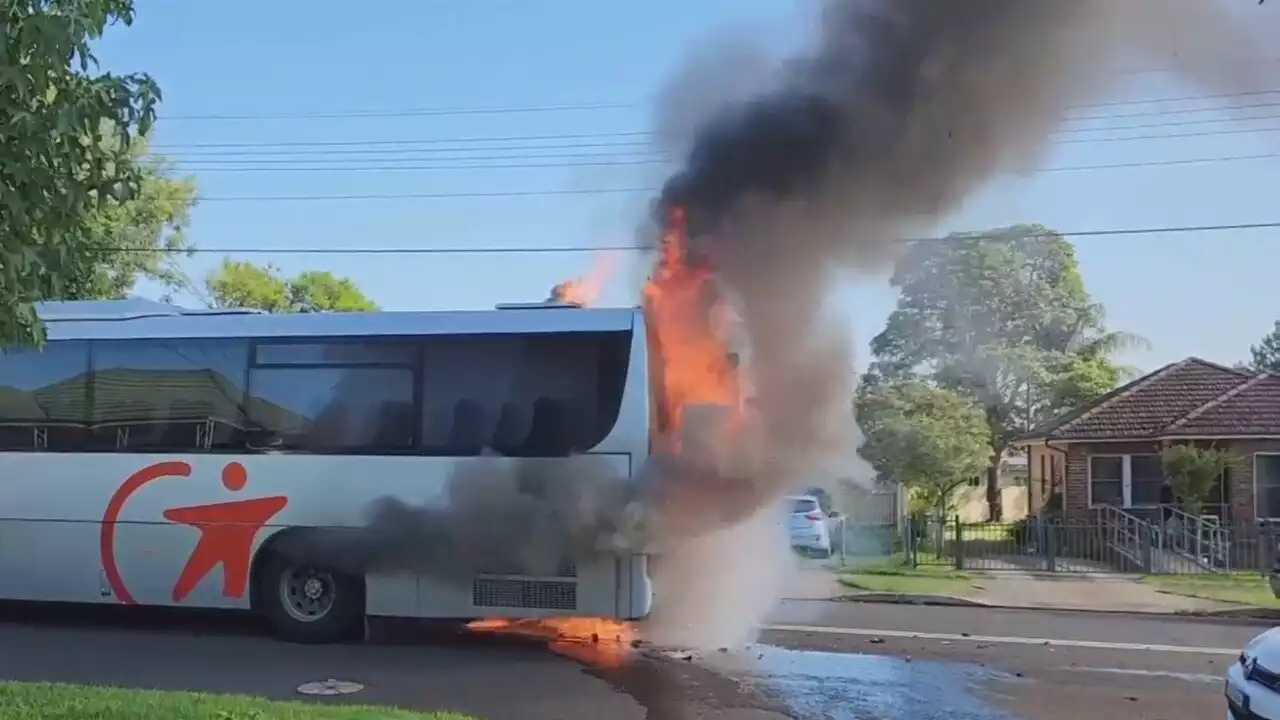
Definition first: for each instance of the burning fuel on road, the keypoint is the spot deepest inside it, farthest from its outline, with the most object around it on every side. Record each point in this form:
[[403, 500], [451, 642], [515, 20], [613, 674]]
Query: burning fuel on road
[[894, 114]]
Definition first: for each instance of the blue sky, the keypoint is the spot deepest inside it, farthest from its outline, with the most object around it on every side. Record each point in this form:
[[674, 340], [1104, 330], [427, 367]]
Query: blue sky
[[1203, 294]]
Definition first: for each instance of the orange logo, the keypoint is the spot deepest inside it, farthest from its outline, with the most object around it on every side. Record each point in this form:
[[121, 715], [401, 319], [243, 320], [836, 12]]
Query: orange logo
[[227, 530]]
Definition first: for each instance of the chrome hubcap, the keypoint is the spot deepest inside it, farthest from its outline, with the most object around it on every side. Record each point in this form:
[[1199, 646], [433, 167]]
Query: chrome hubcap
[[307, 594]]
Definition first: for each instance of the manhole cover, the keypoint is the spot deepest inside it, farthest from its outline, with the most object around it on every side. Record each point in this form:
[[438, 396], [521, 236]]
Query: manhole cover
[[330, 687]]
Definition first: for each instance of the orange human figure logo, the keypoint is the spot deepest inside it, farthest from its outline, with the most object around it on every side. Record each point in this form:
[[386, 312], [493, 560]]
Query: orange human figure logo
[[227, 531]]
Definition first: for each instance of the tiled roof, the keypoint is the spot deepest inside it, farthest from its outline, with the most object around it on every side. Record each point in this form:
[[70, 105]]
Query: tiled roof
[[1250, 409], [1191, 398]]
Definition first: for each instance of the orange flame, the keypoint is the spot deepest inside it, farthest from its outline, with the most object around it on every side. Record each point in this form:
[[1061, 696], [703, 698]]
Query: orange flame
[[593, 641], [690, 361], [585, 290]]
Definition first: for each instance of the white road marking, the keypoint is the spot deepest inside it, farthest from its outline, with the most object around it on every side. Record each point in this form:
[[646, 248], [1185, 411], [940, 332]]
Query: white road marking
[[1189, 677], [994, 639]]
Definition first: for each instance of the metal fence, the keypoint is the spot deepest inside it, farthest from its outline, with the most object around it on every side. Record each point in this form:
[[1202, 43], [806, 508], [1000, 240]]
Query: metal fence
[[1112, 543]]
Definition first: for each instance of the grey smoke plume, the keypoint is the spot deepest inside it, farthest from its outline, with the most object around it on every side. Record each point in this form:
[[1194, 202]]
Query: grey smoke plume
[[900, 110], [497, 515]]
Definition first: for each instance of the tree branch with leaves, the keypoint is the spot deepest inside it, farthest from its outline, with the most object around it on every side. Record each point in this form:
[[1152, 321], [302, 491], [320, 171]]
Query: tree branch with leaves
[[237, 284], [929, 439], [66, 149], [1193, 473]]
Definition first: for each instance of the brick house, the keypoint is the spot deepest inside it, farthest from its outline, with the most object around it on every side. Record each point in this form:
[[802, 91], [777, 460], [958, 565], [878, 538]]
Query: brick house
[[1106, 452]]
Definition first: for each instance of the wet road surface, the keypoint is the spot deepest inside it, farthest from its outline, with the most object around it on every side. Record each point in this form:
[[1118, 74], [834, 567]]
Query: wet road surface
[[847, 663]]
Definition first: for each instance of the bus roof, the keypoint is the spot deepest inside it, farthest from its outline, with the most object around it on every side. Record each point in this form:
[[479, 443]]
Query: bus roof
[[138, 318]]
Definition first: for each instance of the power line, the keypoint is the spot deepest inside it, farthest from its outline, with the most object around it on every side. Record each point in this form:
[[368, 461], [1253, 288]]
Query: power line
[[425, 141], [510, 249], [406, 112], [1184, 98], [1168, 136], [242, 168], [644, 136], [402, 150], [429, 196], [399, 157], [1176, 123], [218, 160], [1162, 163], [1159, 113], [424, 168], [399, 146], [581, 107], [398, 151]]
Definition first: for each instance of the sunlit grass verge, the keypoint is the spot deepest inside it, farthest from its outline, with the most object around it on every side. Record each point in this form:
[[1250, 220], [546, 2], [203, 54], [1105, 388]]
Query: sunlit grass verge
[[49, 701]]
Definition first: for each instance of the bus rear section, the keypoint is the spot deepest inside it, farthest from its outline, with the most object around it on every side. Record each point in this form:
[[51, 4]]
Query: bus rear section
[[600, 409], [168, 458]]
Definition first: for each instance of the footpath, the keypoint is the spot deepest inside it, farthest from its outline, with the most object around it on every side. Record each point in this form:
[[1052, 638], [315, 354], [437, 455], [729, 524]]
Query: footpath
[[1245, 596]]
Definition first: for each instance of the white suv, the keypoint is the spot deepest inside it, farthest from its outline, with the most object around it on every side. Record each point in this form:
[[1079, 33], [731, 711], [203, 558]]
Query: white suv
[[1253, 681], [808, 526]]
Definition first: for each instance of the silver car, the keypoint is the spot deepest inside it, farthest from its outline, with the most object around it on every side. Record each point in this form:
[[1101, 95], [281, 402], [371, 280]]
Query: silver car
[[808, 526]]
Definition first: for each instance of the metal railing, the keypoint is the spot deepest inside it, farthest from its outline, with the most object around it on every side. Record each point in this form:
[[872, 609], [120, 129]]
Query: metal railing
[[1113, 541], [1200, 538], [1129, 535]]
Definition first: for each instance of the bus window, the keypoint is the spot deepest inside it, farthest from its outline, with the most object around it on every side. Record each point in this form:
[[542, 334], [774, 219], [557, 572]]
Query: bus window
[[527, 395], [341, 396], [44, 397], [360, 351], [168, 395]]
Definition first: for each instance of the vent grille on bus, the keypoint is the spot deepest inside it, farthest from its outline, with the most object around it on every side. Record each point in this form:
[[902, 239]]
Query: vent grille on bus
[[533, 594]]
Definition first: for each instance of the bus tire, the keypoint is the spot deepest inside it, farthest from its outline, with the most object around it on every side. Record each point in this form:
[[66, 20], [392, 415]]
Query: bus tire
[[308, 604]]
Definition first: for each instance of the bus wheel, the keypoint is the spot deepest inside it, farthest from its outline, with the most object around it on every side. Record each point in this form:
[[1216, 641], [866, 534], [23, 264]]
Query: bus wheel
[[308, 604]]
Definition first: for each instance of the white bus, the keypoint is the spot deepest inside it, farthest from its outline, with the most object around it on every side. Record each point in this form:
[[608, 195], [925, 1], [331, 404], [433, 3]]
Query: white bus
[[153, 455]]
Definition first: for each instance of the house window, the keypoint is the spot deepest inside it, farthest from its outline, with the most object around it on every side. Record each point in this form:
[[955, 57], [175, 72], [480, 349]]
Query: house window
[[1146, 478], [1266, 486], [1127, 481], [1106, 480]]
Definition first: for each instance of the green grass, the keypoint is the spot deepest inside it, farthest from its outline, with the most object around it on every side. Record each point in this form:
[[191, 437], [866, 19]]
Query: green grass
[[45, 701], [890, 575], [1240, 588]]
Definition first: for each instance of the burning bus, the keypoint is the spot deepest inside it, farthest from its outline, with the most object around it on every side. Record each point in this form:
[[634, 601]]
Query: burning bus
[[241, 469]]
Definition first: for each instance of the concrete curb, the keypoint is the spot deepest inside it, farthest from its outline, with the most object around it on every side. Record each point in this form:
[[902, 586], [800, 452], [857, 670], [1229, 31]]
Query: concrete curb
[[1238, 614], [1243, 613], [912, 599]]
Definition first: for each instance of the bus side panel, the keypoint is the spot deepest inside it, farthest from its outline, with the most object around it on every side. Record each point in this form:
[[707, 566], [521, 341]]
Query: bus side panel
[[635, 589], [122, 528], [42, 561], [591, 589]]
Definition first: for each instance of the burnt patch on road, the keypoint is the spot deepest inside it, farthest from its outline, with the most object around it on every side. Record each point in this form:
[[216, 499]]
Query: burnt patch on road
[[674, 685]]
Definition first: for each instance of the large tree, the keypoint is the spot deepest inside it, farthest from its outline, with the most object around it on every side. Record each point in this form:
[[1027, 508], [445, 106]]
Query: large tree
[[66, 136], [1266, 354], [240, 284], [1002, 317], [927, 438], [142, 237]]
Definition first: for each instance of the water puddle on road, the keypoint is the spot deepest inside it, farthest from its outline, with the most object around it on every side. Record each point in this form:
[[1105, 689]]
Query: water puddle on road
[[846, 686]]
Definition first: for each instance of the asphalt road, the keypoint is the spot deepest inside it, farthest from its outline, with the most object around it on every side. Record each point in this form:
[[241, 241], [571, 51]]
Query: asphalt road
[[1033, 664], [845, 662]]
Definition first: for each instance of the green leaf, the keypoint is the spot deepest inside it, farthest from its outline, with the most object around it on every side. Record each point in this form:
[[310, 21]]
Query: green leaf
[[61, 132]]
